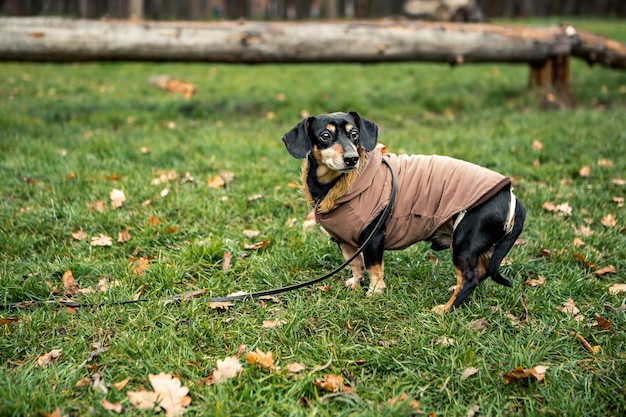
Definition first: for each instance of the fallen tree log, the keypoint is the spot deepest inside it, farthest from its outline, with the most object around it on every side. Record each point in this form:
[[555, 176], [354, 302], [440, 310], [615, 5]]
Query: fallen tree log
[[58, 39], [547, 50]]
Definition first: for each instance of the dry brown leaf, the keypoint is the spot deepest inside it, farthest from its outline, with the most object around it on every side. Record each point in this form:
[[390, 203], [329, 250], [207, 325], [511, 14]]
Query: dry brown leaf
[[331, 383], [617, 289], [537, 145], [109, 406], [97, 205], [295, 367], [216, 182], [592, 349], [609, 220], [583, 230], [413, 403], [117, 198], [606, 270], [98, 383], [227, 261], [477, 324], [251, 233], [257, 245], [535, 282], [123, 236], [220, 305], [569, 307], [55, 413], [70, 286], [49, 357], [101, 240], [120, 385], [7, 320], [604, 324], [585, 171], [85, 382], [228, 368], [584, 260], [255, 197], [618, 200], [577, 242], [618, 181], [468, 372], [563, 208], [605, 163], [273, 323], [519, 373], [174, 85], [139, 265], [168, 394], [260, 358], [79, 235], [445, 341]]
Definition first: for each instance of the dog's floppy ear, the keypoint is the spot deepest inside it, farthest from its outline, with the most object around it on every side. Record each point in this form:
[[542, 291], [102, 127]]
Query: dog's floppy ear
[[297, 139], [368, 131]]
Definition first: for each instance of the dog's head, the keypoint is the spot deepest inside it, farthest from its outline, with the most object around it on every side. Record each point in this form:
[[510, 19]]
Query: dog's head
[[334, 140]]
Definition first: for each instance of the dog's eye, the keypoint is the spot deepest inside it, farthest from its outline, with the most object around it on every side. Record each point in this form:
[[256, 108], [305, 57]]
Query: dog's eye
[[354, 134], [325, 136]]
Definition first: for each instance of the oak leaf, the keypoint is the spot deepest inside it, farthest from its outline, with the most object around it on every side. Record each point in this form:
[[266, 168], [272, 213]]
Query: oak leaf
[[216, 182], [295, 367], [123, 236], [79, 235], [70, 286], [140, 265], [228, 368], [101, 240], [609, 220], [220, 305], [168, 394], [109, 406], [519, 373], [258, 357], [569, 307], [617, 289], [48, 358], [117, 198], [331, 383]]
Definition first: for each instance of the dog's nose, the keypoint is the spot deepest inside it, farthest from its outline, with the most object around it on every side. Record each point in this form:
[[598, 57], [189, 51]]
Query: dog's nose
[[351, 160]]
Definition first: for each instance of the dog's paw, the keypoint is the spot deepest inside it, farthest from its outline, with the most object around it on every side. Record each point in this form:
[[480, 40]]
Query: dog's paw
[[440, 309], [379, 288], [353, 283]]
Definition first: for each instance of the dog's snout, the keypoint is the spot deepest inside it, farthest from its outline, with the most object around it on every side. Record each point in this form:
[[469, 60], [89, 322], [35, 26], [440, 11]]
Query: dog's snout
[[351, 160]]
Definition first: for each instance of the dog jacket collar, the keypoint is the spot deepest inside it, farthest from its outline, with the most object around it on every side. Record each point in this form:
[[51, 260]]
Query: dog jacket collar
[[431, 190]]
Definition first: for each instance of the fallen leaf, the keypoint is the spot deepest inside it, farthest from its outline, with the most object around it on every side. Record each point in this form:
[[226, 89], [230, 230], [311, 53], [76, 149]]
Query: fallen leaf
[[228, 368], [85, 382], [609, 220], [174, 85], [519, 373], [477, 324], [101, 240], [140, 265], [79, 235], [226, 261], [55, 413], [605, 163], [583, 230], [117, 198], [618, 181], [109, 406], [164, 192], [584, 260], [7, 320], [49, 357], [617, 289], [467, 372], [604, 324], [220, 305], [331, 383], [295, 367], [153, 220], [445, 341], [537, 145], [123, 236], [168, 394], [592, 349], [472, 410], [577, 242], [260, 358], [98, 383], [618, 200], [535, 282], [216, 182], [255, 197], [584, 171], [120, 385], [70, 286], [413, 403], [257, 245], [606, 270], [569, 307], [563, 208], [273, 323], [251, 233]]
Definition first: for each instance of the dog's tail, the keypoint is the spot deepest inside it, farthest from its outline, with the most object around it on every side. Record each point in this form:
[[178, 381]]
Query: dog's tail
[[513, 227]]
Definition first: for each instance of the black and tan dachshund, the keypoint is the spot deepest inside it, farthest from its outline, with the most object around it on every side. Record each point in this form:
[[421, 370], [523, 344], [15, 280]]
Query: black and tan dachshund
[[451, 203]]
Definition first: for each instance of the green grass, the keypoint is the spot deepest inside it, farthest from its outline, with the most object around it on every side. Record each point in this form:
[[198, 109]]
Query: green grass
[[93, 119]]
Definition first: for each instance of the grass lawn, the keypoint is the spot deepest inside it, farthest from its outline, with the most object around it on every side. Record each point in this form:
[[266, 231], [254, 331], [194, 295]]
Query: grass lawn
[[71, 134]]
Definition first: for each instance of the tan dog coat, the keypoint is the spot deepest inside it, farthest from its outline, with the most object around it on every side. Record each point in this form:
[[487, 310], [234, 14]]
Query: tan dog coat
[[431, 190]]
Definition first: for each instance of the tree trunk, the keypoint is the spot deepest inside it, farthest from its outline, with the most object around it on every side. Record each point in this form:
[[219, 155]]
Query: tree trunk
[[135, 9]]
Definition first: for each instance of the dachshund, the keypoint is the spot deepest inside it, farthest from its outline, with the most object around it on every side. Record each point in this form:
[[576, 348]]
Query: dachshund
[[448, 202]]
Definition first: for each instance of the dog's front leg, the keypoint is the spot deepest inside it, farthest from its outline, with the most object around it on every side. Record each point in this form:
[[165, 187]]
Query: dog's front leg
[[375, 272], [356, 265]]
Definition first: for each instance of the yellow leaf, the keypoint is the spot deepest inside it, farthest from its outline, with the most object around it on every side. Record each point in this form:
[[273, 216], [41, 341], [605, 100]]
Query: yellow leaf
[[260, 358], [331, 383], [216, 182]]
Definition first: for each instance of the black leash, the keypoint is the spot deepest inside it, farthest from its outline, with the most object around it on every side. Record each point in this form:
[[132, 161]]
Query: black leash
[[245, 296]]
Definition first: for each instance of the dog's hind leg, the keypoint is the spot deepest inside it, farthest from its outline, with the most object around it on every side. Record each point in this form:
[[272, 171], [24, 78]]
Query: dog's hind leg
[[356, 265]]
